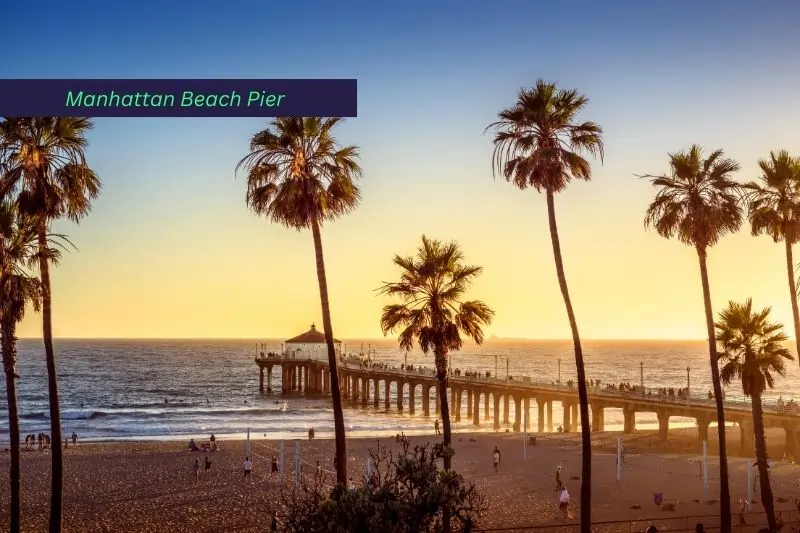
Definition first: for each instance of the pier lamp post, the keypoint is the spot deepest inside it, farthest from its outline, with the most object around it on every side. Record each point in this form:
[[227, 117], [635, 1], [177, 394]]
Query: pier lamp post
[[495, 366], [506, 368], [405, 362], [559, 372]]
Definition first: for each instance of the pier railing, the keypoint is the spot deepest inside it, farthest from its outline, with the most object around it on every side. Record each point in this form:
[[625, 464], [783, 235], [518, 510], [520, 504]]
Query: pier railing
[[731, 401]]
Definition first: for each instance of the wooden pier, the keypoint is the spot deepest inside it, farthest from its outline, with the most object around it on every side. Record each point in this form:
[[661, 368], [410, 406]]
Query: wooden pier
[[364, 385]]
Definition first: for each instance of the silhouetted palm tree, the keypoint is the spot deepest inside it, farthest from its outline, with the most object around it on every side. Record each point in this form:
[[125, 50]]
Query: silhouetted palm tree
[[752, 352], [18, 288], [539, 143], [49, 177], [432, 314], [300, 177], [774, 210], [698, 203]]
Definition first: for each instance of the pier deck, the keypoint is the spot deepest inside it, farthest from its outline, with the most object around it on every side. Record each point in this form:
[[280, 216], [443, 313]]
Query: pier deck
[[372, 385]]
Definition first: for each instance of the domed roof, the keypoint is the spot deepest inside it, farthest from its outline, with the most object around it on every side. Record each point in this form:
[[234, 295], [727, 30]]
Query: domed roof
[[311, 336]]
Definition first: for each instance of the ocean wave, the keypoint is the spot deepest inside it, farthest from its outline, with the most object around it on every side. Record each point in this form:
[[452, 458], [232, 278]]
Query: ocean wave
[[150, 413], [66, 415]]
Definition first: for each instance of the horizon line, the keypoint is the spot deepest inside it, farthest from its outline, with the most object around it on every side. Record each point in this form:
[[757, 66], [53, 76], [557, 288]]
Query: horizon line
[[262, 339]]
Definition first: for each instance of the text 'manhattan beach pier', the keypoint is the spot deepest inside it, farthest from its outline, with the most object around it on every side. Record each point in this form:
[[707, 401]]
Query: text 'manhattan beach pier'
[[179, 98]]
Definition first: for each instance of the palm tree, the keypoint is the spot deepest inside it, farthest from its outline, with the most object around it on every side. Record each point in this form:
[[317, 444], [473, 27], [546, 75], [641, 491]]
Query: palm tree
[[48, 172], [774, 209], [539, 143], [432, 314], [698, 203], [752, 351], [300, 177], [18, 247]]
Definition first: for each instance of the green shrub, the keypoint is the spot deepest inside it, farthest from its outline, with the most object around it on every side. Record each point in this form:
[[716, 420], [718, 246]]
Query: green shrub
[[408, 493]]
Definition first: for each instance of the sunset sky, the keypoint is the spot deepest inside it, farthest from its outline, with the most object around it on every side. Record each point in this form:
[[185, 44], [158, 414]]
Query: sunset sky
[[171, 250]]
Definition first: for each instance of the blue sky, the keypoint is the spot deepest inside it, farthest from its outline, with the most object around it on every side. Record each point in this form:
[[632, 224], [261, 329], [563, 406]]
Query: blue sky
[[660, 76]]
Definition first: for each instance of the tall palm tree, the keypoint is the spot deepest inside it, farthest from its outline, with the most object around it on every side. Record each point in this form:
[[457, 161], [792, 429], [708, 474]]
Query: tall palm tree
[[300, 177], [540, 143], [432, 313], [698, 203], [18, 288], [48, 173], [752, 352], [774, 209]]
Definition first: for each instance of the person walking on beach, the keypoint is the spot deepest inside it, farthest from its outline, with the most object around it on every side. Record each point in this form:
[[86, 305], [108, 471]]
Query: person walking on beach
[[563, 504], [496, 459], [436, 426], [74, 438], [311, 433], [247, 466], [744, 507], [559, 485], [274, 463], [208, 466], [196, 469]]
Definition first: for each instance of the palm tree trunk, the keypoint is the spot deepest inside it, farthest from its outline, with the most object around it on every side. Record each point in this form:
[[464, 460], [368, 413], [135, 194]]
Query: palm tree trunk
[[761, 456], [793, 294], [724, 490], [440, 359], [8, 345], [338, 412], [57, 480], [583, 395]]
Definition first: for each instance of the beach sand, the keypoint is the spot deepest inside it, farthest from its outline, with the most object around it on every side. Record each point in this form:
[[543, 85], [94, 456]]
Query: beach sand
[[150, 486]]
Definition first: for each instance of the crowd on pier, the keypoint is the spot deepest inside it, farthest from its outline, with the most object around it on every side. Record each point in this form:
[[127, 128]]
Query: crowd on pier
[[366, 361]]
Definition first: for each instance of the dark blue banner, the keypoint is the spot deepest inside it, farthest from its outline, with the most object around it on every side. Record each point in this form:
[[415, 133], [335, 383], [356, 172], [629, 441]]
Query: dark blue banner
[[178, 98]]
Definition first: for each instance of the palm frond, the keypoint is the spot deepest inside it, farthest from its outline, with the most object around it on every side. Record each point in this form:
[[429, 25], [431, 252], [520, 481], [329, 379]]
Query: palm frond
[[538, 142], [773, 203], [698, 202], [19, 287], [751, 347], [297, 173], [431, 313], [45, 166]]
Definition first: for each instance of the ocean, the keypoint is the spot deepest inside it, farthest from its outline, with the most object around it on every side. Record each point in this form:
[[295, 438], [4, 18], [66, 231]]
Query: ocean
[[176, 389]]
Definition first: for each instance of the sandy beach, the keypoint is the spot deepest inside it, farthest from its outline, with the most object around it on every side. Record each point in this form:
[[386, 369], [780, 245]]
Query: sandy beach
[[150, 486]]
